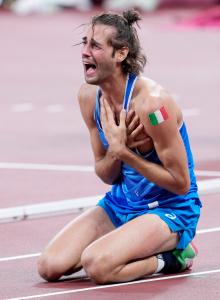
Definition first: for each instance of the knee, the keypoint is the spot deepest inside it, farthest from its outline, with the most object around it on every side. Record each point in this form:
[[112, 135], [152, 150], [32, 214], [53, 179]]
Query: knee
[[48, 268], [96, 266]]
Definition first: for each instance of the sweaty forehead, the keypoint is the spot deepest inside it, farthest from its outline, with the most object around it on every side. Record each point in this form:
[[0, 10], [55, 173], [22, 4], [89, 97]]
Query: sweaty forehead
[[100, 33]]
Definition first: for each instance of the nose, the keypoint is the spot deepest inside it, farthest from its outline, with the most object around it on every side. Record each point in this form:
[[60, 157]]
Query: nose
[[86, 50]]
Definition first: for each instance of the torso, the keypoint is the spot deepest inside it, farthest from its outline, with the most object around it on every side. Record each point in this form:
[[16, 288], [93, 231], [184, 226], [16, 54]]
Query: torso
[[134, 191], [146, 93]]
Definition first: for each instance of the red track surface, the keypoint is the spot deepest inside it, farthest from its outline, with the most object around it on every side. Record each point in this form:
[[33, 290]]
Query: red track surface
[[40, 66]]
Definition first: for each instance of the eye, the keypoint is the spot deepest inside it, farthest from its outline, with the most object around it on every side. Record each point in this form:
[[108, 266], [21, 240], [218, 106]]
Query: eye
[[95, 46], [84, 40]]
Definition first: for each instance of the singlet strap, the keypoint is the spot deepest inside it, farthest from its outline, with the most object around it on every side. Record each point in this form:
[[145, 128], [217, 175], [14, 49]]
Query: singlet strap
[[128, 90], [97, 109], [131, 79]]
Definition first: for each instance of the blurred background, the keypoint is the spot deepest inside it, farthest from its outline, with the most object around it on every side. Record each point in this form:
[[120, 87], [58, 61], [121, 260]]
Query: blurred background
[[42, 6], [45, 152], [46, 162]]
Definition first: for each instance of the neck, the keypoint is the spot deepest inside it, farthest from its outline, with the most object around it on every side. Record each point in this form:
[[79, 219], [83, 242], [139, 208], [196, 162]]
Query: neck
[[113, 89]]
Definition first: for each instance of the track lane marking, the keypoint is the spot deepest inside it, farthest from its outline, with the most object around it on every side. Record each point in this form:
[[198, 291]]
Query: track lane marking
[[45, 167], [18, 213], [23, 107], [191, 112], [77, 168], [54, 108], [100, 287], [59, 207], [58, 108], [24, 256], [207, 173]]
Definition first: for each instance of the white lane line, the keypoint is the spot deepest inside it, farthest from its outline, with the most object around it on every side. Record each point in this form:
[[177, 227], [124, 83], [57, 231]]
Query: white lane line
[[46, 167], [79, 168], [24, 256], [208, 230], [54, 108], [17, 213], [209, 186], [57, 108], [207, 173], [78, 204], [100, 287], [191, 112], [31, 255], [23, 107]]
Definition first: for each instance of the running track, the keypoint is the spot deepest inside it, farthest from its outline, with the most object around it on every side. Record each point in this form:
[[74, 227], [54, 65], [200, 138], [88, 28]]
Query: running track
[[43, 140]]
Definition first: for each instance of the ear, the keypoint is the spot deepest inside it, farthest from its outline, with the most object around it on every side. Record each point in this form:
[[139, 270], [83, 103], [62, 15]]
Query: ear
[[121, 54]]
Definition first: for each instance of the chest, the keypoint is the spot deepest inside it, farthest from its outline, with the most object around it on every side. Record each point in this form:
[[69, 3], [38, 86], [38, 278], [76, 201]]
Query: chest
[[142, 135]]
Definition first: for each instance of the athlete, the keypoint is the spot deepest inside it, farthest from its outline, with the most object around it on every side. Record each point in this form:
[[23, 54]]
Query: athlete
[[146, 222]]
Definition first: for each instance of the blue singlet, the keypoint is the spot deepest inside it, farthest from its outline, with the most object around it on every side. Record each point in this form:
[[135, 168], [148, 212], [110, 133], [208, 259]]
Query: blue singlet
[[133, 195]]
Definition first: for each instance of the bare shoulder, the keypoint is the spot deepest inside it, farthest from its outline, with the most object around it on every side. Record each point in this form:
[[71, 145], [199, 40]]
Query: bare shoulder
[[87, 98], [87, 93], [151, 94], [151, 97]]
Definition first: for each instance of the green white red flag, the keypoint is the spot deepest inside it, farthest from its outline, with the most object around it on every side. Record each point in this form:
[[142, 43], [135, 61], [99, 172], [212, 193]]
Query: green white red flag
[[159, 116]]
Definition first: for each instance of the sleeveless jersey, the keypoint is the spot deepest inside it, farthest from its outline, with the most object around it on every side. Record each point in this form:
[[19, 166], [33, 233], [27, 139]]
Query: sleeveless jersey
[[133, 192]]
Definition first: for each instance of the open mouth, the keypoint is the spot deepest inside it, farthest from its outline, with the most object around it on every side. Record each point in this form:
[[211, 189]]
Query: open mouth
[[90, 68]]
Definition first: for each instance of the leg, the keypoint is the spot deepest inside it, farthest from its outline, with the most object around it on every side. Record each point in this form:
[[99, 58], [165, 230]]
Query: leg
[[127, 253], [63, 254]]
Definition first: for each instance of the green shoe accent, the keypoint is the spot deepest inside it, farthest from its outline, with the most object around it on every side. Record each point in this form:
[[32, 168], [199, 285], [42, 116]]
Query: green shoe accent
[[185, 257]]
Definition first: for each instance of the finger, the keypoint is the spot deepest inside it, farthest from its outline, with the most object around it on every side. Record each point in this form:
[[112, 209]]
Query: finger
[[129, 117], [139, 143], [122, 118], [133, 124], [136, 131]]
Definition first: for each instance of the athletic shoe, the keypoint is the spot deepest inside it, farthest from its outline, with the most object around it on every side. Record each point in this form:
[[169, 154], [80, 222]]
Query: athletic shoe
[[185, 257], [179, 260]]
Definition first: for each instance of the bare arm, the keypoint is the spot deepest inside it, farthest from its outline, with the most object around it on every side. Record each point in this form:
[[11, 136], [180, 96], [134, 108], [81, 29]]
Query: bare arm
[[107, 166], [173, 173]]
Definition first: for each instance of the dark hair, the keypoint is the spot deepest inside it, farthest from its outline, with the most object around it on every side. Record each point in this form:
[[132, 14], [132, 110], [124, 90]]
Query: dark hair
[[126, 36]]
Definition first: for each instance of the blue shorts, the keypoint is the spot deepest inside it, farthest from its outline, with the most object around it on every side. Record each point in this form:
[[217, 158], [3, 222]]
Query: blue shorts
[[182, 219]]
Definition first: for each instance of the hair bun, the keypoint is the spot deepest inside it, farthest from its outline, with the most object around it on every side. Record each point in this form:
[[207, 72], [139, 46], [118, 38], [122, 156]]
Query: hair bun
[[131, 16]]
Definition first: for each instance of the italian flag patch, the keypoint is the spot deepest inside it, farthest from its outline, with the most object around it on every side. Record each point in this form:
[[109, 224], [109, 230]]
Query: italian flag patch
[[158, 116]]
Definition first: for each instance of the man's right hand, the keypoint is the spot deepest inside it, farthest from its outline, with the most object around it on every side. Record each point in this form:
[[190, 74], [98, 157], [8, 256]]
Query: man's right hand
[[136, 135]]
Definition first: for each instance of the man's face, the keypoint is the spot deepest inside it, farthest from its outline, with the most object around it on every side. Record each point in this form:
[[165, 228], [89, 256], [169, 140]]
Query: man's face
[[97, 56]]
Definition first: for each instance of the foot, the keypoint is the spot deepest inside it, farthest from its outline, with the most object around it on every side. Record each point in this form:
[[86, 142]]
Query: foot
[[179, 260], [185, 257]]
